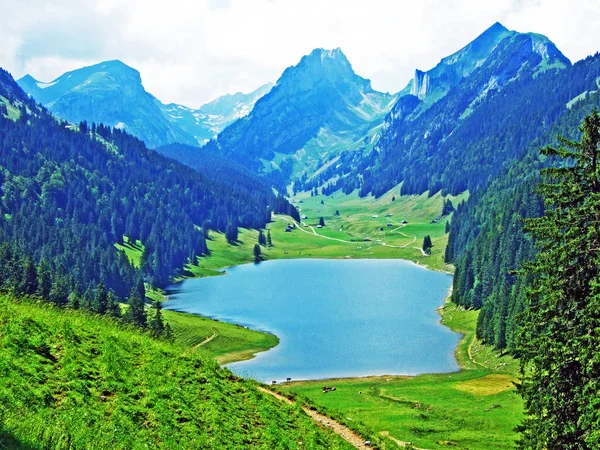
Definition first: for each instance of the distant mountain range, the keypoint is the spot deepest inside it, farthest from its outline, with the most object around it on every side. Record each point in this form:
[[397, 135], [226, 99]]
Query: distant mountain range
[[112, 93], [321, 124], [427, 139]]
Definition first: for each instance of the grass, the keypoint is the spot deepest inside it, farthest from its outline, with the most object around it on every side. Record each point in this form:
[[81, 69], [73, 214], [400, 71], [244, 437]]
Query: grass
[[133, 250], [13, 113], [355, 223], [230, 342], [475, 408], [73, 380]]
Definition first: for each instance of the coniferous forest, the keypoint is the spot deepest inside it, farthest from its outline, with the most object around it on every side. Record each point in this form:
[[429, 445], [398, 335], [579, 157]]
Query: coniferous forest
[[70, 193]]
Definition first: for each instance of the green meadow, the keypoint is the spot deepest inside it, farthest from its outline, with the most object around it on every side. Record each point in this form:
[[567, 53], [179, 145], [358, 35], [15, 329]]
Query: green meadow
[[70, 379], [354, 233]]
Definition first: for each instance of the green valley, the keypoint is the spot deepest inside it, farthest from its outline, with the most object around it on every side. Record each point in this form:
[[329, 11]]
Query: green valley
[[353, 233]]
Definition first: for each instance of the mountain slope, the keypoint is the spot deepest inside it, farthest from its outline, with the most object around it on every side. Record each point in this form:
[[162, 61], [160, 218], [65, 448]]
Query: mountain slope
[[459, 140], [69, 195], [112, 93], [432, 85], [486, 238], [73, 380], [317, 109]]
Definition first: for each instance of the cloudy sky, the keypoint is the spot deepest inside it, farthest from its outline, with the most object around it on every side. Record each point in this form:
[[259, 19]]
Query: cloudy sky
[[191, 51]]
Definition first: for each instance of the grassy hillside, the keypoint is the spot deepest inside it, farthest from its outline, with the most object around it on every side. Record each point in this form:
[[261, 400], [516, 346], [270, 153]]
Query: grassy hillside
[[72, 380], [224, 341], [476, 408]]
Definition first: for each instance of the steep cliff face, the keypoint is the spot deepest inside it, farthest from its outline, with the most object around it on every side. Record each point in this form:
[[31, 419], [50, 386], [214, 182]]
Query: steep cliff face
[[420, 84]]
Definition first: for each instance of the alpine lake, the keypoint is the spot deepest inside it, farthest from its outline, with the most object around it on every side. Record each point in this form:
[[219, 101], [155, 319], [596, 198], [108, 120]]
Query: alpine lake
[[334, 318]]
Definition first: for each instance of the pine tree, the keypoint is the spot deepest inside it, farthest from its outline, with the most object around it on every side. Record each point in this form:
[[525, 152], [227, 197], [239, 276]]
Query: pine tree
[[59, 292], [136, 313], [269, 241], [257, 253], [112, 305], [559, 337], [75, 297], [30, 281], [447, 229], [447, 207], [262, 240], [427, 244], [231, 233], [100, 299], [321, 221], [157, 325], [44, 280], [87, 299]]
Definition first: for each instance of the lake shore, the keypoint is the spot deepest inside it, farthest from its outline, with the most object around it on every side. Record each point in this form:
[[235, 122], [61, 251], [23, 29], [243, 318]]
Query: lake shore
[[403, 298], [476, 407]]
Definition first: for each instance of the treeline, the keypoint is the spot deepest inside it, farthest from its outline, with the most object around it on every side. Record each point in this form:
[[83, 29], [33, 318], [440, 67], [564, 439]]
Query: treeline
[[487, 243], [67, 196], [20, 275]]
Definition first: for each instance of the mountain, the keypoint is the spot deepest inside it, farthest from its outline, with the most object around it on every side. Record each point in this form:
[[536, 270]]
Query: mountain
[[479, 132], [432, 85], [437, 139], [206, 122], [317, 109], [486, 241], [71, 194], [112, 93]]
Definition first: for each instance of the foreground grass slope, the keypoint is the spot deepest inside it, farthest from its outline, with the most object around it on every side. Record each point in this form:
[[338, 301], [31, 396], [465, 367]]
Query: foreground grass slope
[[476, 408], [71, 380]]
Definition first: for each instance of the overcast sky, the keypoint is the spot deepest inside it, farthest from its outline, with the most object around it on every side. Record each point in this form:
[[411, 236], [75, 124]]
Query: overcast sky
[[191, 51]]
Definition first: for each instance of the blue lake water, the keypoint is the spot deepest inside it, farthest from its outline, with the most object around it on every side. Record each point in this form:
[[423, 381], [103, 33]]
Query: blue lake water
[[335, 318]]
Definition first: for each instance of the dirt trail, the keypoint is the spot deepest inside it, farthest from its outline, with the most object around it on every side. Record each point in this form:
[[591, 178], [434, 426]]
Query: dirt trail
[[400, 246], [314, 232], [398, 442], [207, 340], [341, 430]]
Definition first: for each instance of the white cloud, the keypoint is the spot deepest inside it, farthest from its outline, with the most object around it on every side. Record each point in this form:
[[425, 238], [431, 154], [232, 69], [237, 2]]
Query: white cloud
[[191, 51]]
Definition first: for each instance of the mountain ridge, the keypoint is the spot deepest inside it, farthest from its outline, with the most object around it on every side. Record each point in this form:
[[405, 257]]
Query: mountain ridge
[[111, 92], [324, 107]]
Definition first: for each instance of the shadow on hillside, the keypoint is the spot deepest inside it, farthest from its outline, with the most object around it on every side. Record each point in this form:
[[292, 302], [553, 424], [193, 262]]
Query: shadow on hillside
[[9, 442]]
